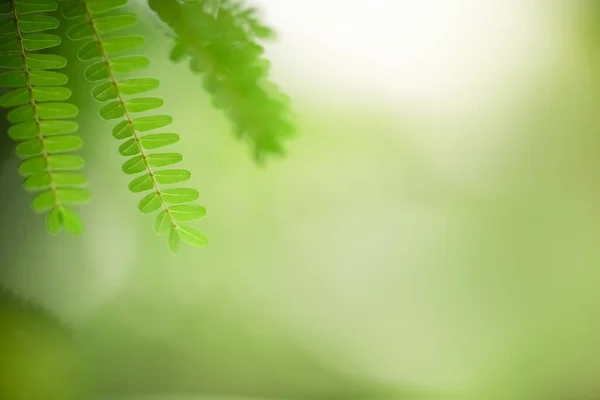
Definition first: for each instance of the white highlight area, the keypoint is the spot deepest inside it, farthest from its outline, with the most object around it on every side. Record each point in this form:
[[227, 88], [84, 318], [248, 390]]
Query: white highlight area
[[439, 54]]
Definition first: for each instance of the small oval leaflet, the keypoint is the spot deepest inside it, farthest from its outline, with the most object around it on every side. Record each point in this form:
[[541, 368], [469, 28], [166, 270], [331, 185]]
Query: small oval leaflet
[[180, 195], [172, 176], [149, 203], [157, 140], [134, 165], [129, 148], [141, 184], [161, 222], [164, 159]]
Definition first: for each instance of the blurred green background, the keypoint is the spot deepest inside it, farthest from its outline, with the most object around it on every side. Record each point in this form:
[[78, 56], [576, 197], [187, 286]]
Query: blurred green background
[[433, 244]]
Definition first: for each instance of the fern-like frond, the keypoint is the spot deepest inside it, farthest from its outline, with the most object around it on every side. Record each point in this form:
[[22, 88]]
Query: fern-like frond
[[174, 205], [40, 116], [222, 45]]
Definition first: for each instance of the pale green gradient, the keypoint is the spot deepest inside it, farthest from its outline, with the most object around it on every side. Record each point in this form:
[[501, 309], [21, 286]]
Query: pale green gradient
[[395, 250]]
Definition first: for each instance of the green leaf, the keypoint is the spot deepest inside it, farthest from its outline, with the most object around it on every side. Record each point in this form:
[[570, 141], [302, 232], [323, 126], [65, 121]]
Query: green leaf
[[164, 159], [142, 104], [192, 236], [37, 23], [179, 195], [29, 129], [74, 196], [34, 61], [112, 110], [104, 6], [97, 72], [134, 165], [137, 85], [43, 180], [187, 212], [150, 203], [48, 199], [51, 93], [11, 61], [114, 22], [56, 144], [56, 110], [53, 128], [129, 148], [141, 184], [105, 91], [40, 41], [108, 24], [73, 10], [112, 45], [14, 98], [172, 176], [158, 140], [179, 52], [173, 240], [40, 77], [129, 64], [45, 201], [29, 148], [20, 114], [54, 220], [24, 130], [45, 61], [7, 26], [90, 51], [117, 44], [144, 124], [235, 72], [38, 181], [122, 130], [57, 162], [13, 79], [95, 7], [10, 46], [35, 6], [43, 111], [161, 222], [71, 221], [63, 144]]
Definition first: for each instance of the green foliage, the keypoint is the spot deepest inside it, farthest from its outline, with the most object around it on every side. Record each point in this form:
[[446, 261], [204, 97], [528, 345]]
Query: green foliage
[[38, 357], [39, 114], [220, 39], [91, 26], [222, 45]]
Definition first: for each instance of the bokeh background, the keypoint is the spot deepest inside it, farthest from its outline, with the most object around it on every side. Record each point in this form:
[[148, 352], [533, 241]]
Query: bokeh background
[[433, 233]]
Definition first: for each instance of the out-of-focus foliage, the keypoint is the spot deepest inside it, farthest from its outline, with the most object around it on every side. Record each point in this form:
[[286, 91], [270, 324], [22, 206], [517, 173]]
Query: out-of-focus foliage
[[38, 360], [222, 44], [438, 250], [221, 39]]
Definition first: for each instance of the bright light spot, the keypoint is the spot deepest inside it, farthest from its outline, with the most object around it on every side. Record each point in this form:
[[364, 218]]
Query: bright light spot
[[440, 54]]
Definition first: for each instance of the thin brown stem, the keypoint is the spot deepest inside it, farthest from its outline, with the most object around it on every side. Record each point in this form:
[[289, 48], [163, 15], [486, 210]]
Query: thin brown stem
[[121, 100], [40, 135]]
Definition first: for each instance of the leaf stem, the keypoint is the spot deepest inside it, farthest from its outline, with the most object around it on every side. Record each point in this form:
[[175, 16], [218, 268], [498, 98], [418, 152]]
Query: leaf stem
[[40, 135], [114, 83]]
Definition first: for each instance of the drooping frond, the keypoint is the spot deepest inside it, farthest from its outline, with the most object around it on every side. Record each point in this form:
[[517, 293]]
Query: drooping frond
[[221, 43], [93, 25], [40, 116]]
